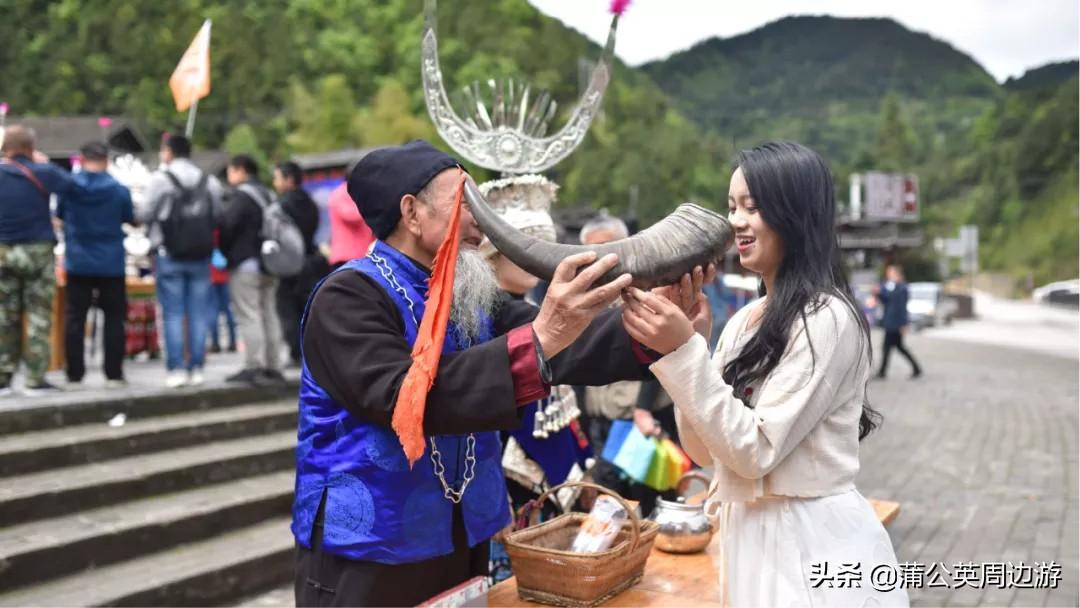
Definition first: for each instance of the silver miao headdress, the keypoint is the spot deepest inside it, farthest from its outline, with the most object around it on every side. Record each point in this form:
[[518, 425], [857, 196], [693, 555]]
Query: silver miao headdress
[[509, 136]]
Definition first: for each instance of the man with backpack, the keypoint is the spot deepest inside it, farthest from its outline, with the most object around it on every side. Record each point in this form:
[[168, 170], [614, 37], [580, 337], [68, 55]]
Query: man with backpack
[[293, 292], [261, 244], [27, 272], [184, 207]]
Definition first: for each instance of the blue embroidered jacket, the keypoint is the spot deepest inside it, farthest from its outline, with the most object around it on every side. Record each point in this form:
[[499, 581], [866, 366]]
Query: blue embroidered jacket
[[377, 509]]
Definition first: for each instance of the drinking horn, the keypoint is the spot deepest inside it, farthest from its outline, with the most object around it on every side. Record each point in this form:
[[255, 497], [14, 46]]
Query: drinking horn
[[659, 255]]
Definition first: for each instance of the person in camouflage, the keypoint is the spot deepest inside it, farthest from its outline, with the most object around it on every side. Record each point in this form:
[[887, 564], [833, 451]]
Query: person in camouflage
[[27, 285], [27, 275]]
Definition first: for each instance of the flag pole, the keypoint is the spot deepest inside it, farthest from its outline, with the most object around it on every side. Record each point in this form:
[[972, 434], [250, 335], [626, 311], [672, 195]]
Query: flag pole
[[191, 118]]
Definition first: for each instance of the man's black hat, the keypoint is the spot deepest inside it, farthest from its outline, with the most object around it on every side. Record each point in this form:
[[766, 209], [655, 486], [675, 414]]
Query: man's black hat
[[383, 176]]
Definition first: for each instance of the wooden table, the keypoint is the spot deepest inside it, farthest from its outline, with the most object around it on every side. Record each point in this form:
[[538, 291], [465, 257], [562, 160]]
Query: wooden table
[[670, 579]]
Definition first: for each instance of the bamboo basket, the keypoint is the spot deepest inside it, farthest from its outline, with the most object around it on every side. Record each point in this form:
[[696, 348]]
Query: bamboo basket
[[549, 573]]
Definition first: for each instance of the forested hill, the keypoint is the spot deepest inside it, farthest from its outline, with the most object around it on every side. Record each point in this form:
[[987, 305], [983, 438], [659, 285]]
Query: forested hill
[[293, 76], [308, 75]]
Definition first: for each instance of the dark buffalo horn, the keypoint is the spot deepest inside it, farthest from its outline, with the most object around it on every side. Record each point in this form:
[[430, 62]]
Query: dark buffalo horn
[[659, 255]]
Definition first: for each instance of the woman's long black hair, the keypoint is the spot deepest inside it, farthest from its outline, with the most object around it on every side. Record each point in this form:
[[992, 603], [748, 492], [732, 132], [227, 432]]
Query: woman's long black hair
[[792, 188]]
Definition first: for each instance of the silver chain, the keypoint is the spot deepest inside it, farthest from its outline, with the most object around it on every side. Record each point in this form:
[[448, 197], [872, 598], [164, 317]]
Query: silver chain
[[449, 492]]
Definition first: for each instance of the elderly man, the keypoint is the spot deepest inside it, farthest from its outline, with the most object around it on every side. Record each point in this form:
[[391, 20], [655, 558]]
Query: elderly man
[[372, 529], [27, 273]]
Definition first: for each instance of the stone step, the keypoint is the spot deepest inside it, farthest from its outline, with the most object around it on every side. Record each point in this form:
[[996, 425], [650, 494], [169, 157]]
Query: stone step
[[61, 491], [96, 442], [69, 408], [59, 546], [280, 597], [209, 572]]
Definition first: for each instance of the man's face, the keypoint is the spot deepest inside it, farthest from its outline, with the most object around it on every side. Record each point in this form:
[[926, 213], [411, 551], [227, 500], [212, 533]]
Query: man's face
[[281, 183], [165, 155], [434, 214], [599, 237], [235, 176]]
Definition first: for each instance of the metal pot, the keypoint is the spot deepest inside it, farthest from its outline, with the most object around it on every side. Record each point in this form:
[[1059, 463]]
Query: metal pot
[[684, 528]]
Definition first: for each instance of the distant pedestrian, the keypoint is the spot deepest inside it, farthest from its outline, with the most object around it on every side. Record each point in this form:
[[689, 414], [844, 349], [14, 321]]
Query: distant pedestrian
[[251, 289], [184, 205], [220, 305], [27, 265], [293, 292], [350, 236], [93, 216], [893, 295]]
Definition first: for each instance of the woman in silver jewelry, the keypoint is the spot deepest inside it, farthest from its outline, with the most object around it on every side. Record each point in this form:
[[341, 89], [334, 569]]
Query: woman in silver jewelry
[[549, 448], [778, 411]]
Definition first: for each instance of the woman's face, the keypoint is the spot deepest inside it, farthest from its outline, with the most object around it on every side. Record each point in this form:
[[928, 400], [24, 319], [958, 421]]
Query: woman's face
[[511, 277], [761, 249]]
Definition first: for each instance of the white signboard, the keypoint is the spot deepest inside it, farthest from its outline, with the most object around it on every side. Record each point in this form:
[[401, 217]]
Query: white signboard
[[890, 196]]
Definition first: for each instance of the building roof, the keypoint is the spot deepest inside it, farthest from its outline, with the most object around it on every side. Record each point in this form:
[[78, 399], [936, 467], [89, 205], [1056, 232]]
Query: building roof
[[330, 160], [61, 137]]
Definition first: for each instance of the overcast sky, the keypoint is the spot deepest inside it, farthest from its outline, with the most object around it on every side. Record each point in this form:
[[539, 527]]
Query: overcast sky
[[1006, 36]]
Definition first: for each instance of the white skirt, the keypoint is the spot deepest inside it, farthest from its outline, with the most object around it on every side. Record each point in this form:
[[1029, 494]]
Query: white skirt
[[789, 552]]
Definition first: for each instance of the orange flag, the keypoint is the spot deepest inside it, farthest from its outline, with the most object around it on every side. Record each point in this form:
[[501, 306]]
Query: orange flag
[[408, 420], [190, 81]]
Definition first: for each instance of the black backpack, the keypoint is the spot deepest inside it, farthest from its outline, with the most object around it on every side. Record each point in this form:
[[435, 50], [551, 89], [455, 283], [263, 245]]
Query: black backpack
[[189, 223]]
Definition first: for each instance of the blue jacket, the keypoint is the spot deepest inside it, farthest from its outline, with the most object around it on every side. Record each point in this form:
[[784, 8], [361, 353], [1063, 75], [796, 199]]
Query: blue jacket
[[24, 208], [377, 508], [895, 303], [93, 214]]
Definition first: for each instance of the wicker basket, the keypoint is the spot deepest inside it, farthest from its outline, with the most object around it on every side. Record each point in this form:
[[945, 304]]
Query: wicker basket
[[549, 573]]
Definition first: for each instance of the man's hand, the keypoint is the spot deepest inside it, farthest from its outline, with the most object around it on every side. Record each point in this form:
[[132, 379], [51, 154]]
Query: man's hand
[[570, 305]]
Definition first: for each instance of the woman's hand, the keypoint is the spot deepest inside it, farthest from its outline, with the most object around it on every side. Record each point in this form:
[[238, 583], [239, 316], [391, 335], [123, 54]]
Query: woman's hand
[[645, 422], [656, 321], [685, 293], [701, 317]]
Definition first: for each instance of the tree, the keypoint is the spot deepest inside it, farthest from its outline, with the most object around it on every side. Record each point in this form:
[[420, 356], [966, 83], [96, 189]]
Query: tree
[[895, 149], [390, 121]]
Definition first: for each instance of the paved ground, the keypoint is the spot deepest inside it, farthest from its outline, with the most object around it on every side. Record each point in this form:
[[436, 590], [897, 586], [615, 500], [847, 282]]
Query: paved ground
[[982, 455], [144, 376], [1019, 324]]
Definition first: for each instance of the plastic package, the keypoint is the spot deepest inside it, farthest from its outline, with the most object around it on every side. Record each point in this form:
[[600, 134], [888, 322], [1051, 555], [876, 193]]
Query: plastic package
[[601, 527]]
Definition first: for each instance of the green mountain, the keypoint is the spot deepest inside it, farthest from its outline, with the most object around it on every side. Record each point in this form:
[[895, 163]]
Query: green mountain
[[822, 80], [1049, 75]]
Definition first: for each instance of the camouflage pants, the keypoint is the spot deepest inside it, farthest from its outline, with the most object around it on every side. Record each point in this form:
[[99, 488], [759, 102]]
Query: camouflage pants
[[27, 284]]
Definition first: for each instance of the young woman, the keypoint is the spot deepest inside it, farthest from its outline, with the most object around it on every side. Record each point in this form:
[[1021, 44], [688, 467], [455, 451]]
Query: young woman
[[780, 408]]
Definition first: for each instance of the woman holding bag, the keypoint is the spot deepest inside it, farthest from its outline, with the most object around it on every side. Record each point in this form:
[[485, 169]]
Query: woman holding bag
[[779, 410]]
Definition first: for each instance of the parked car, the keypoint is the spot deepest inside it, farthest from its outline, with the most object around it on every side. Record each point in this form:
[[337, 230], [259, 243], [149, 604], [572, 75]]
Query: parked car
[[928, 305], [1061, 293]]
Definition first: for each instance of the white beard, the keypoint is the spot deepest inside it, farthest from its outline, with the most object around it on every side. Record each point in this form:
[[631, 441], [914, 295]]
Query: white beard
[[476, 293]]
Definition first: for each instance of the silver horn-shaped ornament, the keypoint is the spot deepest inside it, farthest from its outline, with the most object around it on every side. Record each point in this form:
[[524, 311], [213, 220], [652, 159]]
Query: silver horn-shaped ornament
[[509, 138], [659, 255]]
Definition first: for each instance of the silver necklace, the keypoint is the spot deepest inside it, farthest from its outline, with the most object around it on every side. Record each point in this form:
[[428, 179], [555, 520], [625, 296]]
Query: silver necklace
[[449, 492]]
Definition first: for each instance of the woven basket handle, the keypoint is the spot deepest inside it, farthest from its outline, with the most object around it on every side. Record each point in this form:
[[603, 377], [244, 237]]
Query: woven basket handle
[[636, 528]]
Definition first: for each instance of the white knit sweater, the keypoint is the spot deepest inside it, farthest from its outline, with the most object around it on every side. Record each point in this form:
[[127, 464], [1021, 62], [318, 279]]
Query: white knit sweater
[[802, 436]]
